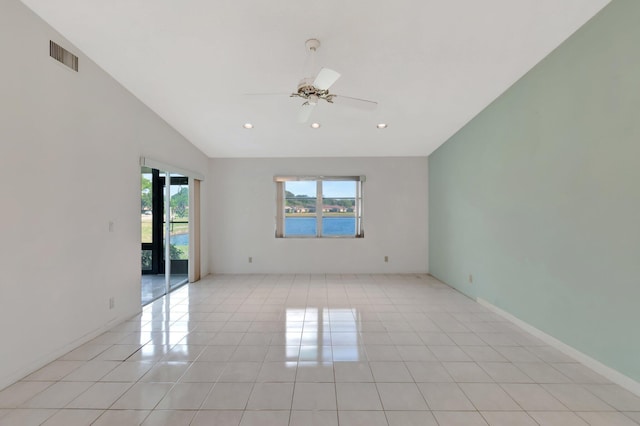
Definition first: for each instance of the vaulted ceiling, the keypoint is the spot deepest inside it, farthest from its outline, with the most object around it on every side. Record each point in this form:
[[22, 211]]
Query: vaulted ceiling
[[432, 65]]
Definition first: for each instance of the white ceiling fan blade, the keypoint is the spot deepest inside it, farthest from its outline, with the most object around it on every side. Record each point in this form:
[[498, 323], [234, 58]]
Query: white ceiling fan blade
[[355, 102], [325, 79], [305, 112]]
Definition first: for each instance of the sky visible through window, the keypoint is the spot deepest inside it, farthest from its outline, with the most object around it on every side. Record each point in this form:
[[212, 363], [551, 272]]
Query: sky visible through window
[[330, 189]]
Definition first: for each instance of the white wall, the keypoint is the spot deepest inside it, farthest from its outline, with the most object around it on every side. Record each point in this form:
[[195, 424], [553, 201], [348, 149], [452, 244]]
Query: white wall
[[69, 150], [242, 210]]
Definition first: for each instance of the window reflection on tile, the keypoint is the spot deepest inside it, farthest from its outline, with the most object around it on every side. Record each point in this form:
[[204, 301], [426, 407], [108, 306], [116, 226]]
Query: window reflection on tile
[[323, 335], [348, 353]]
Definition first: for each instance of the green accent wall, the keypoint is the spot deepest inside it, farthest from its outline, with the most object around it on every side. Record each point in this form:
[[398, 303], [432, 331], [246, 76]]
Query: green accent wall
[[538, 197]]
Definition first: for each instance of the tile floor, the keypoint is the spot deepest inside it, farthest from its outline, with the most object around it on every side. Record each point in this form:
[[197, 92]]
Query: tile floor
[[323, 350]]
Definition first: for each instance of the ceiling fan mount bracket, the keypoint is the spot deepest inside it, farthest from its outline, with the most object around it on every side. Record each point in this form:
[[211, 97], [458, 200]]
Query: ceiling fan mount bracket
[[312, 44]]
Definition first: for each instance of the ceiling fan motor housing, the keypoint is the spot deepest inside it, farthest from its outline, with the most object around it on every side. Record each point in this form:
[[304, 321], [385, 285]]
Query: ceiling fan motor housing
[[307, 90]]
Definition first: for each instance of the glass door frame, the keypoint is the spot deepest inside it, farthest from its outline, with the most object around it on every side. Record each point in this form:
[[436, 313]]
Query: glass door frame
[[156, 244]]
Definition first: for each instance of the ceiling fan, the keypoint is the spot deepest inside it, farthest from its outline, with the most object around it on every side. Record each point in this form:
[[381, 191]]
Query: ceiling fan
[[312, 90]]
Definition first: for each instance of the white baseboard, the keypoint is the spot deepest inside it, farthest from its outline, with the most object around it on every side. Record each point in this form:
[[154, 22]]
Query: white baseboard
[[608, 372], [43, 360]]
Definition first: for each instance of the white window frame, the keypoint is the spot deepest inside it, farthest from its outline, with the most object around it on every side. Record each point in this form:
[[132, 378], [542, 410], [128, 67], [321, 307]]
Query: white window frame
[[280, 204]]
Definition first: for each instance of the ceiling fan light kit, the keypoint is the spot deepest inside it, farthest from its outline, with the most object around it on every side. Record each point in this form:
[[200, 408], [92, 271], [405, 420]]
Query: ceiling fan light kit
[[318, 88]]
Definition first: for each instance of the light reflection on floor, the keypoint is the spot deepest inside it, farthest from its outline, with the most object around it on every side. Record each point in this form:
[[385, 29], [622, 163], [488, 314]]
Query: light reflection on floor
[[154, 286], [322, 335]]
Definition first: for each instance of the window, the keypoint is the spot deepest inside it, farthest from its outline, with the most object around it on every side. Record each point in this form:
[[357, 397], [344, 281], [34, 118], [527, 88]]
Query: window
[[319, 206]]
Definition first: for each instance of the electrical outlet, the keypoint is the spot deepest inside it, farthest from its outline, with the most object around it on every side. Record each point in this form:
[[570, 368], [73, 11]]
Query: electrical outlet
[[250, 259], [470, 279], [112, 302], [386, 258]]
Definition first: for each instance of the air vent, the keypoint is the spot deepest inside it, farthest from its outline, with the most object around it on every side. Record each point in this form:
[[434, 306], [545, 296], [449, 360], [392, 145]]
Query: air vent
[[61, 54]]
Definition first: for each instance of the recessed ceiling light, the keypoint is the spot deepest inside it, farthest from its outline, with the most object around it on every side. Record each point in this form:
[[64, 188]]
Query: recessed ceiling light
[[247, 126], [381, 126], [315, 125]]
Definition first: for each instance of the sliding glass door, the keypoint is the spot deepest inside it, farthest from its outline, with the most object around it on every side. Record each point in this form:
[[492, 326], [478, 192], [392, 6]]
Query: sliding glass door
[[165, 232]]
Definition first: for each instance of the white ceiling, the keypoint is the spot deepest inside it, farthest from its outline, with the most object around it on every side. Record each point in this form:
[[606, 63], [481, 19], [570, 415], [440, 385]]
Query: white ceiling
[[431, 64]]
